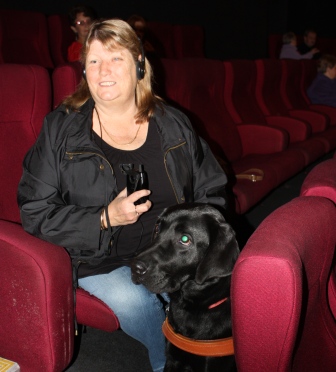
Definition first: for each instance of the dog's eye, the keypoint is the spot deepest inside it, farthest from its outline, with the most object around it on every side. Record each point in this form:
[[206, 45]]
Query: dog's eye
[[185, 240]]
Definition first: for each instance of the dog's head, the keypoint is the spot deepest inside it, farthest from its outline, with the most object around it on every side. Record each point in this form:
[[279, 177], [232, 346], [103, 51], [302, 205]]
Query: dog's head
[[191, 241]]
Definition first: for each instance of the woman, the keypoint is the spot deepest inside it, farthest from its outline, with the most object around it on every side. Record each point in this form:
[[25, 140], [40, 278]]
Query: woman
[[81, 18], [72, 191], [322, 90]]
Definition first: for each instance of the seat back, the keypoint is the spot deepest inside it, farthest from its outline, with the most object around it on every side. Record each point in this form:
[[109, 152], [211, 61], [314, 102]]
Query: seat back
[[188, 41], [321, 181], [268, 82], [309, 72], [25, 99], [24, 38], [161, 36], [65, 79], [36, 292], [280, 311], [196, 84], [291, 84], [60, 37], [239, 92]]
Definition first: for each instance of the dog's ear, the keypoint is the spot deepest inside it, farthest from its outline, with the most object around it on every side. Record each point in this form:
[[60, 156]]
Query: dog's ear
[[221, 254]]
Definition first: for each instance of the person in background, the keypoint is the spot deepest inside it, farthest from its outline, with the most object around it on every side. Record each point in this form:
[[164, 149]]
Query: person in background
[[289, 49], [322, 90], [73, 187], [308, 44], [139, 25], [80, 18]]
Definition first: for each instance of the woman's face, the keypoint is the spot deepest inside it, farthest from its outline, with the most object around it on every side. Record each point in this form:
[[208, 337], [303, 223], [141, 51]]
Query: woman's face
[[111, 75], [82, 25]]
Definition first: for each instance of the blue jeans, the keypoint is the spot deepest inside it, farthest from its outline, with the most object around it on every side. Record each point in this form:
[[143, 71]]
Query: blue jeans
[[140, 312]]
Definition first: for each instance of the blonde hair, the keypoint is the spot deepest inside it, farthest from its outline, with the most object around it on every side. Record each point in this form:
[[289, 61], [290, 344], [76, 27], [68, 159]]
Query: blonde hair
[[116, 33]]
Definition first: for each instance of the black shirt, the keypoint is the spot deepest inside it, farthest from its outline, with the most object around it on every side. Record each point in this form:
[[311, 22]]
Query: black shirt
[[134, 237]]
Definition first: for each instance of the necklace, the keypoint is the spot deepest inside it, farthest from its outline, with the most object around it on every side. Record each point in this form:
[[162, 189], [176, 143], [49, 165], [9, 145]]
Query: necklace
[[119, 144]]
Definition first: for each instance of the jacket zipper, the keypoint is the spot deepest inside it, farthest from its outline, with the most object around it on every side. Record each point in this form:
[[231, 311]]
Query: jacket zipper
[[165, 163], [71, 154]]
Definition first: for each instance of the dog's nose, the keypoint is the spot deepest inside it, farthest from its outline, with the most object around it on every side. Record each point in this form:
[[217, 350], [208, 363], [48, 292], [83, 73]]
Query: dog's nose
[[139, 267]]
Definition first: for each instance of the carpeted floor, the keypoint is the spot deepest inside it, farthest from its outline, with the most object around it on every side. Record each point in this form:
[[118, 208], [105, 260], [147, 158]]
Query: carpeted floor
[[116, 352]]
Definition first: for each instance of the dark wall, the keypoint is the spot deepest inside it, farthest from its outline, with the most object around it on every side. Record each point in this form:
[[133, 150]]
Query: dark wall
[[233, 28]]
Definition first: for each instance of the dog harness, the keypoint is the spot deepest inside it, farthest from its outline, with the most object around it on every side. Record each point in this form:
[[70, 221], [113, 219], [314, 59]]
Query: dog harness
[[214, 348]]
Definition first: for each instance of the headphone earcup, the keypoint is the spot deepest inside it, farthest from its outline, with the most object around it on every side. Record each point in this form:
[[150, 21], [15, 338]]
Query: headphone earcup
[[140, 69], [84, 74]]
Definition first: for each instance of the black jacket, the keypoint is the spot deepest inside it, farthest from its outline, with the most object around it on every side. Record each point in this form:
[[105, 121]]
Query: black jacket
[[67, 179]]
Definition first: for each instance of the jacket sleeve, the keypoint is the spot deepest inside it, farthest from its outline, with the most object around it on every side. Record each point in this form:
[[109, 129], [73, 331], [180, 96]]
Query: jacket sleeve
[[44, 212], [209, 178]]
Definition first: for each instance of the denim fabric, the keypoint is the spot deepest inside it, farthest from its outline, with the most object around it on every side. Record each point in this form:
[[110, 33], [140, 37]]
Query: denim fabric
[[139, 311]]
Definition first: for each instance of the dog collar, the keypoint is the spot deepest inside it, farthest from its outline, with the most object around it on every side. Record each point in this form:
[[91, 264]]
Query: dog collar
[[217, 303], [214, 348]]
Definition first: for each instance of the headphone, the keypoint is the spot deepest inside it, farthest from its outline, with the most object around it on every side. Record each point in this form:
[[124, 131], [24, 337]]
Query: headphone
[[140, 66]]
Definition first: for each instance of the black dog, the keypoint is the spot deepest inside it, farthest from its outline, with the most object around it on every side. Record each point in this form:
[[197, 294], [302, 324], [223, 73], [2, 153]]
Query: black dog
[[191, 258]]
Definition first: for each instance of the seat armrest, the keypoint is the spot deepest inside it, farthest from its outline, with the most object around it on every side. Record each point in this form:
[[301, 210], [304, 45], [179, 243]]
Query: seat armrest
[[37, 308], [262, 139], [298, 130], [318, 121], [328, 110]]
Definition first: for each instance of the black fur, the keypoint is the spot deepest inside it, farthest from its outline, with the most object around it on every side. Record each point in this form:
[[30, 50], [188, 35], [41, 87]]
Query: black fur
[[195, 274]]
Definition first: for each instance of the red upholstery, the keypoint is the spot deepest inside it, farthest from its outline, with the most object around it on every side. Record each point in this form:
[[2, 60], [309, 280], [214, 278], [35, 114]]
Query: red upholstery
[[24, 38], [36, 312], [161, 36], [65, 79], [37, 308], [309, 71], [321, 180], [22, 109], [60, 37], [240, 99], [268, 93], [280, 312], [94, 313], [188, 41], [36, 298], [196, 85]]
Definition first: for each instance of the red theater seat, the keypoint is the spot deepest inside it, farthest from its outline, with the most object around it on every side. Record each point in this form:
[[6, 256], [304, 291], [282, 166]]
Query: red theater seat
[[37, 297], [196, 86], [65, 79], [270, 99], [60, 37], [280, 307], [240, 101], [24, 38], [291, 90]]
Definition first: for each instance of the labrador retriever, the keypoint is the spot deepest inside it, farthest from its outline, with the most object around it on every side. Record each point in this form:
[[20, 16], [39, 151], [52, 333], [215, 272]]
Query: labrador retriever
[[191, 258]]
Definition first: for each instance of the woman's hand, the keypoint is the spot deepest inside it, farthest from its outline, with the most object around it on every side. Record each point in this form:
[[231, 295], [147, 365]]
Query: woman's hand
[[122, 210]]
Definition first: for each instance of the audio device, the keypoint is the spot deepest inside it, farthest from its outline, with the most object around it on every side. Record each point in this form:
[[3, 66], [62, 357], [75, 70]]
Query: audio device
[[140, 65], [136, 180]]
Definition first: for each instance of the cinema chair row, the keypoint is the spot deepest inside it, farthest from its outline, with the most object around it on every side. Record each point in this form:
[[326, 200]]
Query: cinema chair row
[[242, 109], [35, 38], [284, 269]]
